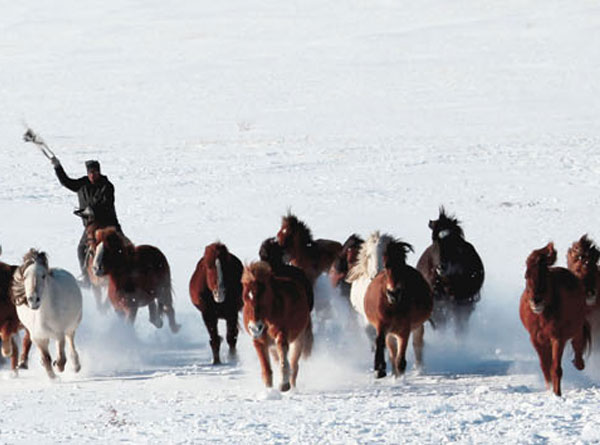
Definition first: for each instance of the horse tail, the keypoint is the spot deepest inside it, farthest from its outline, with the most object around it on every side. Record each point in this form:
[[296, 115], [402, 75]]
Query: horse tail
[[587, 338], [308, 339]]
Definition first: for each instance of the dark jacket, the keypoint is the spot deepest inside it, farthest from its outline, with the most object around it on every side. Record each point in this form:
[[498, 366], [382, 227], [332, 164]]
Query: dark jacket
[[99, 197]]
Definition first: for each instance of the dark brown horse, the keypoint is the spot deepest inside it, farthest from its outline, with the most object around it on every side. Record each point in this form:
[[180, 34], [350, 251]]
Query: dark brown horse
[[454, 270], [582, 260], [312, 256], [138, 276], [345, 260], [216, 291], [398, 301], [553, 310], [277, 314], [9, 321], [99, 284], [272, 253]]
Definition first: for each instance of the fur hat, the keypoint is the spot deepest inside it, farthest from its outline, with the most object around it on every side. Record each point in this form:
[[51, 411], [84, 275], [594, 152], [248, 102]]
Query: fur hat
[[92, 165]]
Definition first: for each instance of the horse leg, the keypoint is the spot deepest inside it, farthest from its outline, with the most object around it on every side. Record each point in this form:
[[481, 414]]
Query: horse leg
[[380, 354], [295, 351], [392, 344], [155, 318], [284, 364], [545, 355], [265, 363], [400, 364], [130, 313], [462, 313], [60, 355], [418, 342], [74, 356], [558, 346], [100, 305], [579, 343], [42, 345], [232, 335], [7, 344], [25, 347], [210, 321]]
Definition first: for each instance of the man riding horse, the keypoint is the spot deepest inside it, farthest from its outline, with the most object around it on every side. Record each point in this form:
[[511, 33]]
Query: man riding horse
[[96, 203]]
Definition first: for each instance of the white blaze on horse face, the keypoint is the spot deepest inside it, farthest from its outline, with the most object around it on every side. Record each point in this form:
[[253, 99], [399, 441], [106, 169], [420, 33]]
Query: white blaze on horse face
[[34, 281], [219, 292], [376, 264], [97, 264]]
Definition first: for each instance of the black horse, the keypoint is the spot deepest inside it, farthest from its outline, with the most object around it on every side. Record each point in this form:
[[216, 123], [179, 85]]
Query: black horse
[[454, 270], [344, 262]]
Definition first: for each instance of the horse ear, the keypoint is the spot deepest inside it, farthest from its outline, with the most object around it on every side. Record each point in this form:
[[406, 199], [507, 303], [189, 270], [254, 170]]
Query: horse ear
[[551, 253], [431, 223]]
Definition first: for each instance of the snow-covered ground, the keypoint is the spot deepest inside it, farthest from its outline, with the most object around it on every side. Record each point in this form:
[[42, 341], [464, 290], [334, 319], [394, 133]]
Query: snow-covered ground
[[212, 118]]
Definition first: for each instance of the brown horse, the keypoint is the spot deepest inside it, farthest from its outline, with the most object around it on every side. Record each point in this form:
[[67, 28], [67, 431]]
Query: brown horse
[[582, 260], [345, 260], [277, 314], [454, 270], [312, 256], [9, 321], [272, 253], [216, 291], [398, 301], [99, 284], [553, 310], [137, 276]]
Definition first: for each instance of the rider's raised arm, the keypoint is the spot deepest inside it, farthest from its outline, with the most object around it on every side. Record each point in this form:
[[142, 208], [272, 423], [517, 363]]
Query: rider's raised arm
[[72, 184]]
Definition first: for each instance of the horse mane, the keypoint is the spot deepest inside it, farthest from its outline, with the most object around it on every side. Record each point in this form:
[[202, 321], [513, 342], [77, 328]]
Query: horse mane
[[17, 289], [259, 271], [353, 240], [587, 246], [396, 251], [446, 222], [362, 261], [271, 252], [299, 227], [213, 251]]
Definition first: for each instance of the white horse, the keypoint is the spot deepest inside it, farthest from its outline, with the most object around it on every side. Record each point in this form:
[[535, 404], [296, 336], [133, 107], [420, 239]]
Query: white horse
[[369, 264], [49, 305]]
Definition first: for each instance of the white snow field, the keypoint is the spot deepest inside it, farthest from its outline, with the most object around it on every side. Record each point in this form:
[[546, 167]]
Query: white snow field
[[212, 118]]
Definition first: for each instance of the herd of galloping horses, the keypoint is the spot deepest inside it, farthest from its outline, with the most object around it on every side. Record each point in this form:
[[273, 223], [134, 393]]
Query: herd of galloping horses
[[276, 295]]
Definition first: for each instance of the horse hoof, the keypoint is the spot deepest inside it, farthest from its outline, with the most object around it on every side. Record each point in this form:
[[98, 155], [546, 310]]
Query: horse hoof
[[216, 362], [284, 387], [579, 364], [77, 368], [158, 323], [23, 365], [175, 328], [380, 373], [59, 366]]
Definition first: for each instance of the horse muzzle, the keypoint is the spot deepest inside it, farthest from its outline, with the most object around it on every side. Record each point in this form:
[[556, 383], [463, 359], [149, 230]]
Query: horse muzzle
[[393, 296], [256, 329], [34, 302], [219, 295], [98, 271]]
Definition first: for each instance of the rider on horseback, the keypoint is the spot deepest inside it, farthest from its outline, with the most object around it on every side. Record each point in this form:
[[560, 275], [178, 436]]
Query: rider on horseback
[[96, 203]]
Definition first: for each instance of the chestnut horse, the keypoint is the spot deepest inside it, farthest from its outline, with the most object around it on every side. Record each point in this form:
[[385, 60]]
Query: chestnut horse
[[277, 315], [99, 284], [582, 260], [454, 270], [345, 260], [398, 301], [553, 310], [216, 291], [137, 276], [272, 253], [312, 256]]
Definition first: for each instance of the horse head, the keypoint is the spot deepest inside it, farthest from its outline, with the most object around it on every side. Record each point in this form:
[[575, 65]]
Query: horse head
[[582, 260], [445, 228], [29, 280], [293, 230], [394, 265], [258, 296], [216, 257], [346, 259], [369, 261], [111, 251], [537, 277], [272, 253]]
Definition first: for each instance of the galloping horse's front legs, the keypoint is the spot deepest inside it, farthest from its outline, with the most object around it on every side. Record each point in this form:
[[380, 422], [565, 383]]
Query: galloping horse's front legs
[[155, 317], [25, 347], [265, 363], [392, 344], [130, 313], [400, 363], [232, 335], [42, 345], [296, 349], [418, 342], [545, 354], [72, 351], [558, 346], [210, 321], [284, 364], [380, 354], [9, 346], [60, 355], [578, 343], [168, 309]]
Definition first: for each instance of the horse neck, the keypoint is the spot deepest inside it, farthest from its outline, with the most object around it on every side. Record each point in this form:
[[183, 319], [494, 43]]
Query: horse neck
[[541, 284]]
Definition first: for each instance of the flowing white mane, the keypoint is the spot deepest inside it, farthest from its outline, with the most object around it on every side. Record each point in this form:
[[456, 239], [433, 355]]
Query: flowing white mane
[[17, 292], [367, 253]]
